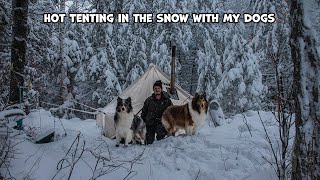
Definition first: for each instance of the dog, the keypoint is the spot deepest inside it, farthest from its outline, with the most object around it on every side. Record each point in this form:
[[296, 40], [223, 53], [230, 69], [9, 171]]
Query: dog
[[189, 117], [123, 121], [139, 130]]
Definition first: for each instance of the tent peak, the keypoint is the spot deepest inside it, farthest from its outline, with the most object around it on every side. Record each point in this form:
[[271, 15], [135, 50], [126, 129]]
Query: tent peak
[[151, 65]]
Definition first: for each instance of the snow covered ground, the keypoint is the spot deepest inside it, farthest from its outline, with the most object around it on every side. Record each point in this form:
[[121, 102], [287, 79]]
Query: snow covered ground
[[224, 152]]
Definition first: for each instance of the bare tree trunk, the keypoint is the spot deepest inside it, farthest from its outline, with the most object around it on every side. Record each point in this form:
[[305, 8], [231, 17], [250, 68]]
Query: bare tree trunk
[[18, 47], [63, 75], [305, 160]]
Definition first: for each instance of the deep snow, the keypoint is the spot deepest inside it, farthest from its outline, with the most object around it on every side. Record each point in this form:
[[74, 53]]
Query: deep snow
[[224, 152]]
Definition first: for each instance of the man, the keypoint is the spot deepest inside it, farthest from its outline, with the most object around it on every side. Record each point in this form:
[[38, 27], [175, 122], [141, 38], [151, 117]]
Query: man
[[152, 111]]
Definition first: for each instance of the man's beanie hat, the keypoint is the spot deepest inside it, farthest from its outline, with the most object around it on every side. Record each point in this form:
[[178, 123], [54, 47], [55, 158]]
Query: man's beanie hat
[[158, 83]]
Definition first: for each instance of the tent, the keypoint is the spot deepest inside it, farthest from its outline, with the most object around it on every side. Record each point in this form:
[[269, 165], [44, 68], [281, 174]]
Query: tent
[[139, 91]]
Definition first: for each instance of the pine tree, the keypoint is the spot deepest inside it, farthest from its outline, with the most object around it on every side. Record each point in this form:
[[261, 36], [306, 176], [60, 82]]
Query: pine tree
[[161, 57], [271, 42], [306, 59], [134, 38], [137, 60], [210, 69], [43, 48], [72, 61], [18, 47], [5, 32], [240, 87]]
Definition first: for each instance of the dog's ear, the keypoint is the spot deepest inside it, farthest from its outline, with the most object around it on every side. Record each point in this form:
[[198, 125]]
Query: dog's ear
[[196, 95], [128, 100], [204, 95], [119, 99]]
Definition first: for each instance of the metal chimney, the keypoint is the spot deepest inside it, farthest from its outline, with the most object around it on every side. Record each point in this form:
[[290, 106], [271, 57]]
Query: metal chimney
[[172, 91]]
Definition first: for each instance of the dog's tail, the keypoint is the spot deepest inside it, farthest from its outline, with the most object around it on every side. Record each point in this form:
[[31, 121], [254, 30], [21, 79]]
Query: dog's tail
[[167, 124]]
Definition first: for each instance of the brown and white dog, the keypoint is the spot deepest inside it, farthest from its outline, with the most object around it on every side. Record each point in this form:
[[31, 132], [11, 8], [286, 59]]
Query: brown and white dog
[[189, 117]]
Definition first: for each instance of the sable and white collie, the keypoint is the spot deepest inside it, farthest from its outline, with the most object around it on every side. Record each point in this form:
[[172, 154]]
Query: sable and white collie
[[189, 117], [139, 130], [123, 120]]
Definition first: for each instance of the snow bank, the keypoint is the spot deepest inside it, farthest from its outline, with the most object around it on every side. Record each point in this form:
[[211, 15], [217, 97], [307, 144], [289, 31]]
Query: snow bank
[[224, 152]]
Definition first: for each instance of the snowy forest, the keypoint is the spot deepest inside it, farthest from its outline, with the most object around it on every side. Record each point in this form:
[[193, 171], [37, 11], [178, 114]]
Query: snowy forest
[[246, 67], [235, 62]]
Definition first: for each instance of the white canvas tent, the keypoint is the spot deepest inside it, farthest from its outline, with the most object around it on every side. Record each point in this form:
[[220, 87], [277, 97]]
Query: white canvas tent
[[139, 91]]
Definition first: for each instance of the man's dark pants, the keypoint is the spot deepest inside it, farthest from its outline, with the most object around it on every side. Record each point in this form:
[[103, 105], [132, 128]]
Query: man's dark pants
[[152, 129]]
